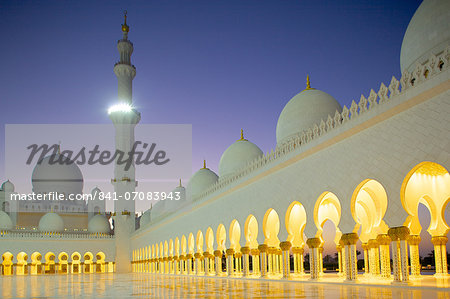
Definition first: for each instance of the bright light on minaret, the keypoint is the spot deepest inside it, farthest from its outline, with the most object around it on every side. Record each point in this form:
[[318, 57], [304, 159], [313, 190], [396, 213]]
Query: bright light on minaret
[[122, 107]]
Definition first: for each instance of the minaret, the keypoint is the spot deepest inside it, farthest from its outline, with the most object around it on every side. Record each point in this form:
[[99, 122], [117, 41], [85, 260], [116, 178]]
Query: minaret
[[125, 119]]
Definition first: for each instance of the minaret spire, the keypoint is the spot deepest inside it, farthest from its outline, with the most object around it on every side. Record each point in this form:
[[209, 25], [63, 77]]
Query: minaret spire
[[125, 27], [123, 69]]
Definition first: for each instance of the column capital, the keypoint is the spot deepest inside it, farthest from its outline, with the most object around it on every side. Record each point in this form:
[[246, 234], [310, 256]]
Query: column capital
[[400, 232], [229, 251], [254, 252], [414, 240], [384, 239], [272, 250], [262, 248], [313, 242], [297, 250], [217, 253], [373, 243], [350, 239], [245, 250], [439, 240], [189, 256], [197, 255], [182, 257], [286, 245], [206, 254]]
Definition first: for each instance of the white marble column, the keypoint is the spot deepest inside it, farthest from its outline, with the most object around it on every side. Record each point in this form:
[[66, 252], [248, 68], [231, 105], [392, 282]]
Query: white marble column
[[384, 240], [263, 259], [313, 244], [285, 247]]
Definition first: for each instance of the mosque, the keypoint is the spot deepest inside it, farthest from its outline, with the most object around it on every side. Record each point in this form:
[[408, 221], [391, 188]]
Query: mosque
[[366, 168]]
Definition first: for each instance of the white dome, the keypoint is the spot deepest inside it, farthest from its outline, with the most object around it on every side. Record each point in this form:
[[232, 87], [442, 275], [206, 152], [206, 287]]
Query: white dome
[[304, 110], [5, 221], [99, 224], [238, 155], [201, 181], [145, 218], [49, 176], [8, 186], [51, 222], [428, 33]]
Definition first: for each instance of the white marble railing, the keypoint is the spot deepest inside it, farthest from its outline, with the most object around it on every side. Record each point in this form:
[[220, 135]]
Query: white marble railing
[[422, 73]]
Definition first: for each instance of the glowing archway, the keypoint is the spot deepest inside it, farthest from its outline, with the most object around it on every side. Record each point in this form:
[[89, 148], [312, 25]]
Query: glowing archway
[[100, 262], [368, 206], [221, 236], [183, 245], [50, 266], [199, 241], [235, 235], [209, 237], [251, 232], [21, 268], [327, 207], [7, 263], [427, 183], [295, 222], [271, 228], [191, 244], [177, 247]]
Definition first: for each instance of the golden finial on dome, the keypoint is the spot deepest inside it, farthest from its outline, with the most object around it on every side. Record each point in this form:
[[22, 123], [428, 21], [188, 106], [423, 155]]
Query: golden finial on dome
[[308, 83], [204, 164], [242, 135], [125, 27], [180, 184]]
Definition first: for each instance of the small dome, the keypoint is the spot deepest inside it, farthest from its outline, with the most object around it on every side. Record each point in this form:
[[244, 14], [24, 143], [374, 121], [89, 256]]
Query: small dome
[[304, 110], [237, 155], [8, 186], [50, 175], [51, 222], [96, 190], [145, 218], [182, 192], [5, 221], [428, 33], [99, 224], [201, 181]]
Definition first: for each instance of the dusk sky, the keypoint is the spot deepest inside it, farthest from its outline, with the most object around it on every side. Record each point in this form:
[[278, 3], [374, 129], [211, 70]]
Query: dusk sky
[[218, 65]]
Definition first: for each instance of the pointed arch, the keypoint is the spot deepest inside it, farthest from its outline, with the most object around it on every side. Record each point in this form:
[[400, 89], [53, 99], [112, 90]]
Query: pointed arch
[[209, 238], [295, 222], [235, 235], [251, 232], [427, 183], [271, 228], [221, 236], [327, 207]]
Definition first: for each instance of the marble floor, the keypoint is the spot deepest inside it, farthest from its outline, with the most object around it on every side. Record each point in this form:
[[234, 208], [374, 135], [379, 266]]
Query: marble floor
[[144, 285]]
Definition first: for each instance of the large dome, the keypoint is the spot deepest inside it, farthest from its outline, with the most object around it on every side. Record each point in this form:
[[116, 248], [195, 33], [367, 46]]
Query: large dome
[[237, 155], [49, 176], [99, 224], [304, 110], [5, 221], [428, 33], [51, 222], [201, 181]]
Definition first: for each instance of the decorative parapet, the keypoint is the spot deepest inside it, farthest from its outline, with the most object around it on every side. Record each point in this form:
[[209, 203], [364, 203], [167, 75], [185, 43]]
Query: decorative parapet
[[52, 235], [422, 73]]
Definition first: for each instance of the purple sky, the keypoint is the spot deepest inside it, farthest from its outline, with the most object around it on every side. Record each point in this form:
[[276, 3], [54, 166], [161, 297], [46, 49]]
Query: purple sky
[[218, 65]]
